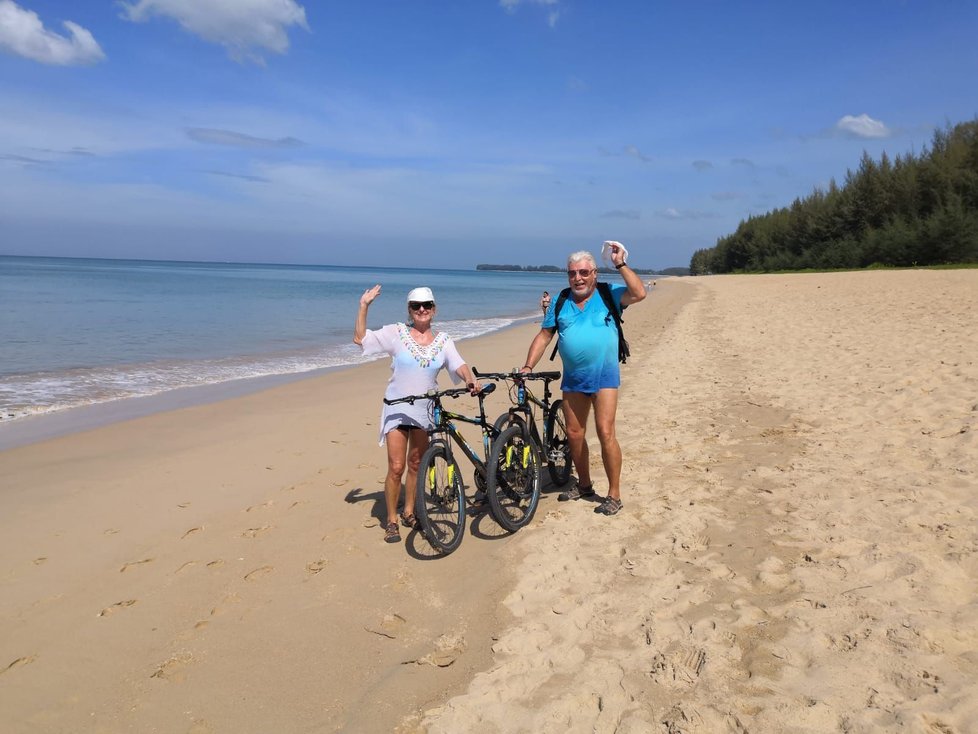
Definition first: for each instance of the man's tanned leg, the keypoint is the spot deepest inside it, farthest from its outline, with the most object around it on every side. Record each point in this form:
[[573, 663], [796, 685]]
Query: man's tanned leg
[[605, 410], [577, 406]]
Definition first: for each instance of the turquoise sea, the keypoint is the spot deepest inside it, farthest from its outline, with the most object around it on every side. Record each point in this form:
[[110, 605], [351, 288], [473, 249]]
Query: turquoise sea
[[79, 332]]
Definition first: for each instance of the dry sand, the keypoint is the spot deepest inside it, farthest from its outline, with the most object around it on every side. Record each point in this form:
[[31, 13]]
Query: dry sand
[[798, 549]]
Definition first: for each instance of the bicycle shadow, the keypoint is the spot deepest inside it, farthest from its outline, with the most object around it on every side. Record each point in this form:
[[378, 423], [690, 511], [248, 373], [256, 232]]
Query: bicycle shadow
[[479, 524]]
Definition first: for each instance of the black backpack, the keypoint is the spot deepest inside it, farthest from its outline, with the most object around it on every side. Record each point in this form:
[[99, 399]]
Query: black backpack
[[604, 290]]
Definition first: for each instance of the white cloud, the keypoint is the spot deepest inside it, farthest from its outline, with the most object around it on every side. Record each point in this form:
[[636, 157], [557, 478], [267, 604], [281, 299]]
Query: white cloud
[[673, 213], [862, 126], [553, 16], [22, 33], [246, 28], [239, 140], [511, 5], [622, 214]]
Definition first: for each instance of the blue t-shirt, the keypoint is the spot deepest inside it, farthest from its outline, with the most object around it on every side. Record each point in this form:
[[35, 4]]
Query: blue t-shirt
[[588, 342]]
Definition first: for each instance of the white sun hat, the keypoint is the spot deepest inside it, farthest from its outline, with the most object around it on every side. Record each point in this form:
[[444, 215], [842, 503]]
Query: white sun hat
[[421, 294], [606, 251]]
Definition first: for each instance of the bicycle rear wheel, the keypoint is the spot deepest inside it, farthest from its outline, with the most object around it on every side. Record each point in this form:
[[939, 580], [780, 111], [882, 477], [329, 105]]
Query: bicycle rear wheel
[[440, 504], [558, 447], [514, 479]]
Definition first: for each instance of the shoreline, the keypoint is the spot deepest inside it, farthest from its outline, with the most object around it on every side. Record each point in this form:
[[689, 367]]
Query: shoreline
[[26, 430]]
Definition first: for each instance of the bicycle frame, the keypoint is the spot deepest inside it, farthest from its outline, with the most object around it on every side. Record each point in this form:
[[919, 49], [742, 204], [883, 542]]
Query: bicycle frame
[[443, 424], [526, 400]]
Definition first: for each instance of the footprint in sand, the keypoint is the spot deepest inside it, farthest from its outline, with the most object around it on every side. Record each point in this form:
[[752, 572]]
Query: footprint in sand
[[129, 565], [116, 607], [680, 667], [221, 607], [200, 727], [39, 561], [258, 573], [316, 566], [389, 627], [19, 662], [184, 505], [255, 532], [188, 564], [448, 649], [192, 531], [216, 564], [340, 483], [173, 669], [262, 506], [110, 531]]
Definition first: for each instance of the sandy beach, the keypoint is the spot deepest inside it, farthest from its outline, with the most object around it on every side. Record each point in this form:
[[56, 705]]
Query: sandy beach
[[798, 549]]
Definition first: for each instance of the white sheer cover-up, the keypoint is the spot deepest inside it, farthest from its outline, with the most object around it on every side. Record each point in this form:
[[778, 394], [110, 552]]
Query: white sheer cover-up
[[414, 371]]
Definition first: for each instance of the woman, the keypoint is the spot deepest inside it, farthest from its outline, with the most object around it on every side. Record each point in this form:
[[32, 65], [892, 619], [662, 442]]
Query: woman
[[545, 302], [417, 354]]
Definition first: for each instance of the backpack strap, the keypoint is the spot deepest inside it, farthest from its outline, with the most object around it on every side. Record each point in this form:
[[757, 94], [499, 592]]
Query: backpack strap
[[564, 295], [604, 290]]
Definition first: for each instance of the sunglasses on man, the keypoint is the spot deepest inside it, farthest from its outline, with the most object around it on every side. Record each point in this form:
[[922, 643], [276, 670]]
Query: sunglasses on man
[[418, 305], [584, 273]]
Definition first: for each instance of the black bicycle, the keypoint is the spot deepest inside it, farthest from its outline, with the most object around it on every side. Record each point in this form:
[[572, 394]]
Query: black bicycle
[[441, 502], [552, 443]]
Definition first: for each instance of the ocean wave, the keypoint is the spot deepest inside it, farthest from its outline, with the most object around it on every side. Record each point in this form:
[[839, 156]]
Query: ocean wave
[[40, 393]]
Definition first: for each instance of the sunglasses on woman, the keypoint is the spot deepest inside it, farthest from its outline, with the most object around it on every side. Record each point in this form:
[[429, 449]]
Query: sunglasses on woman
[[418, 305]]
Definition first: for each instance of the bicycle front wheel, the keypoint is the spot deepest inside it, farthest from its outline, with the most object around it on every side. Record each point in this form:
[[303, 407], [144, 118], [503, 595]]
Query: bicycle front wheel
[[514, 479], [440, 504], [558, 447]]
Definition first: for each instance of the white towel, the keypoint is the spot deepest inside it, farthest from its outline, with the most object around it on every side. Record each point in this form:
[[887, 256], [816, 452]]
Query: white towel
[[606, 252]]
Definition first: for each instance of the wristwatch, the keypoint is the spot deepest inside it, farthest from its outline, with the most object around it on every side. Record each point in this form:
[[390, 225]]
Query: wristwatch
[[619, 267]]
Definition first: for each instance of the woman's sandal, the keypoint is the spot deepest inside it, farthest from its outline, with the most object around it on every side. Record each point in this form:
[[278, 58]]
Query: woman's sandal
[[409, 521], [391, 533]]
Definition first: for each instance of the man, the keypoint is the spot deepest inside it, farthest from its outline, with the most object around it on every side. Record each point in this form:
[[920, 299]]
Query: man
[[588, 345]]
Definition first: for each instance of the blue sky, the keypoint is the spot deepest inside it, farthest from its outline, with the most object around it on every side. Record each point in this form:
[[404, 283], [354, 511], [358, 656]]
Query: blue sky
[[448, 133]]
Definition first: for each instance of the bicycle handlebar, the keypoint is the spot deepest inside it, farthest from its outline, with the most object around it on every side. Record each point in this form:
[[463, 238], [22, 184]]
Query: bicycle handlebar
[[452, 392], [517, 375]]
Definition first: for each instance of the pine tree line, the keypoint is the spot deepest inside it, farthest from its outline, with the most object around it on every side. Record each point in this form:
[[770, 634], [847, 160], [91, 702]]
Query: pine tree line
[[914, 210]]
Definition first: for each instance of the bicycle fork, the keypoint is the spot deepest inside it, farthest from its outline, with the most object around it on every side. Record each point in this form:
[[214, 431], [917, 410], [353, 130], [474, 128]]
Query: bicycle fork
[[524, 456]]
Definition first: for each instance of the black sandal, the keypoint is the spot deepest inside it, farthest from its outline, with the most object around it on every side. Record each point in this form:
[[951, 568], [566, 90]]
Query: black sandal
[[409, 521], [391, 533]]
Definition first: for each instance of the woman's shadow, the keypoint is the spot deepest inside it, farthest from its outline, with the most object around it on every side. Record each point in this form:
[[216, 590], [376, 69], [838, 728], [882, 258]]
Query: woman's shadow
[[480, 524]]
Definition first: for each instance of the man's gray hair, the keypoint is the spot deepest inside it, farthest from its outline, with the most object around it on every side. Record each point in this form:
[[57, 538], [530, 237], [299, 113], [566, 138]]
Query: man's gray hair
[[576, 257]]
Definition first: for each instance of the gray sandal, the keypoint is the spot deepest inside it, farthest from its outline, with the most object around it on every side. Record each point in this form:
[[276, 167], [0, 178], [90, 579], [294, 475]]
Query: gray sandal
[[609, 507], [576, 493]]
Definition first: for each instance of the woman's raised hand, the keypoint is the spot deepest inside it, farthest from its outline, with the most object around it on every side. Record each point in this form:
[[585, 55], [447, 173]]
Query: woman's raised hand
[[369, 295]]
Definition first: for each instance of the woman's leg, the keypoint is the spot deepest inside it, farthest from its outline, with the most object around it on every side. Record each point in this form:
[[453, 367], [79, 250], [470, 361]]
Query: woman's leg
[[397, 444], [418, 442]]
